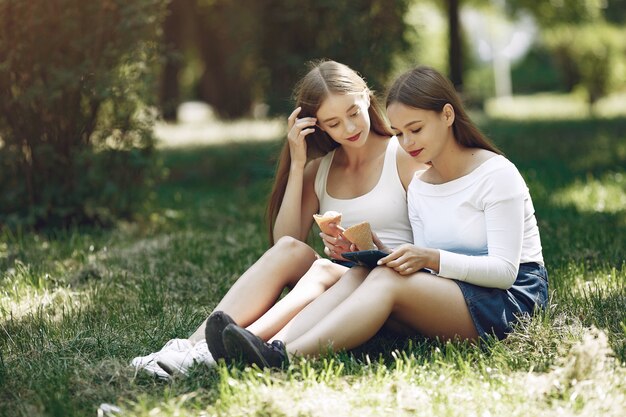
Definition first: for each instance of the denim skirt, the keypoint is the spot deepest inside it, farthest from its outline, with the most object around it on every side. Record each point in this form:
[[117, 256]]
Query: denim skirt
[[494, 310]]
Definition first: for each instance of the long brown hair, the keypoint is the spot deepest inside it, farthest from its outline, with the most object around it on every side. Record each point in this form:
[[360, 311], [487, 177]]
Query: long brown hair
[[323, 78], [425, 88]]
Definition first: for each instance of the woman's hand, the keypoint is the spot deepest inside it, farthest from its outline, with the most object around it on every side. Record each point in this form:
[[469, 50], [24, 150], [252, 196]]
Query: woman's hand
[[298, 129], [380, 245], [408, 259], [336, 244]]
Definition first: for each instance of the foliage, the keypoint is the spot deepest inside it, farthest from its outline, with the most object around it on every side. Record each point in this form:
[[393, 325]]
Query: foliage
[[364, 34], [589, 52], [556, 12], [536, 72], [255, 51], [226, 36], [74, 76], [591, 55], [426, 36], [615, 11]]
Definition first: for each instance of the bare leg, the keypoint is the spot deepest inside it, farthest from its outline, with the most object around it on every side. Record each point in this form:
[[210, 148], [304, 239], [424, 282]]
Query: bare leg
[[322, 305], [322, 275], [261, 285], [432, 305]]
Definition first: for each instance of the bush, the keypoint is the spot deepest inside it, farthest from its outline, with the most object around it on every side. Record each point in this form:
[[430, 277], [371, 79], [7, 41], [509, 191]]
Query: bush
[[592, 56], [243, 53], [536, 72], [74, 76]]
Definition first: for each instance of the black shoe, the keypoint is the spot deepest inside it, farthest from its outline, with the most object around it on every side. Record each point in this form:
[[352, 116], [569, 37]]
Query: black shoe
[[215, 325], [240, 342]]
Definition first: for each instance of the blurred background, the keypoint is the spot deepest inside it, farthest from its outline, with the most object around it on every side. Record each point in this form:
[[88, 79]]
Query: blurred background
[[91, 91]]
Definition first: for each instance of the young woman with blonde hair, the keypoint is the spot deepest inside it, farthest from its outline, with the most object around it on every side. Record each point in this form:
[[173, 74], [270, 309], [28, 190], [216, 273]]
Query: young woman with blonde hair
[[340, 155]]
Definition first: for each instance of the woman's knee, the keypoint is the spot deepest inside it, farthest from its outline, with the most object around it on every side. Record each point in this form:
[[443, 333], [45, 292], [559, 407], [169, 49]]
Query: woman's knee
[[355, 276], [323, 273], [383, 277], [287, 260], [290, 246], [290, 250]]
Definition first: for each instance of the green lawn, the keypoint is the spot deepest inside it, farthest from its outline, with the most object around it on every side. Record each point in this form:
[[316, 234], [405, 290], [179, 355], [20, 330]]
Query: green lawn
[[76, 306]]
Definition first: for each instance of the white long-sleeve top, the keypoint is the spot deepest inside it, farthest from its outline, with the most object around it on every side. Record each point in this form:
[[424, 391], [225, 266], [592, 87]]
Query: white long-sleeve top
[[482, 223]]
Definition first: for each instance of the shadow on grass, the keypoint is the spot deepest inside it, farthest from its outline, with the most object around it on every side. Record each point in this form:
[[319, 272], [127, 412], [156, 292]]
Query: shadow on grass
[[552, 156], [211, 210]]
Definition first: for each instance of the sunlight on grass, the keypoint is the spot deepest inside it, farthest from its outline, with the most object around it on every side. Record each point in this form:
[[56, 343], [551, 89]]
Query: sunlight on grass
[[25, 291], [29, 301], [585, 380], [211, 132], [546, 106], [76, 306], [606, 195]]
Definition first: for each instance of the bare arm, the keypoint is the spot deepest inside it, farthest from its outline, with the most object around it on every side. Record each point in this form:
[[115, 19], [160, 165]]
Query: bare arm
[[299, 202], [295, 216]]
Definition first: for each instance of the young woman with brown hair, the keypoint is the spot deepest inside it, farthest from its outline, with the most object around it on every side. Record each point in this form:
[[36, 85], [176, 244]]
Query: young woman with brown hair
[[340, 155], [476, 264]]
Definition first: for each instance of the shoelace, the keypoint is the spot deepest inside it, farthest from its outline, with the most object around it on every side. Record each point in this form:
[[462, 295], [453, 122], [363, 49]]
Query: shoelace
[[177, 342], [200, 352]]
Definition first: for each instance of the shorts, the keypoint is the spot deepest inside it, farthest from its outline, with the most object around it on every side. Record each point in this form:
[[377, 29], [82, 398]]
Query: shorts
[[494, 310]]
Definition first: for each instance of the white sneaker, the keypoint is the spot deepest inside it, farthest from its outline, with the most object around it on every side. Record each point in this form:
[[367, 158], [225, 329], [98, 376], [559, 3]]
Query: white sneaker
[[155, 370], [149, 364], [181, 362]]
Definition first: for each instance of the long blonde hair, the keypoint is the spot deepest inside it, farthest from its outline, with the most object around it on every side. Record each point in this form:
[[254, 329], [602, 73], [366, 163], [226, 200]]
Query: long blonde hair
[[425, 88], [323, 79]]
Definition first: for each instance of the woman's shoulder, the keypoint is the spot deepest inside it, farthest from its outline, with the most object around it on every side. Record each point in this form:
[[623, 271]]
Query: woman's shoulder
[[491, 163], [483, 155], [501, 177], [483, 162]]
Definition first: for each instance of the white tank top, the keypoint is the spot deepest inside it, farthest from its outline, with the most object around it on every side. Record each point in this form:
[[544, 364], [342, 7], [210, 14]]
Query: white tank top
[[384, 207]]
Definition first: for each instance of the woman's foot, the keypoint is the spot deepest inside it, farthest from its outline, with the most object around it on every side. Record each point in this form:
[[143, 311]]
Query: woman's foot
[[215, 325], [240, 342], [149, 364], [179, 363]]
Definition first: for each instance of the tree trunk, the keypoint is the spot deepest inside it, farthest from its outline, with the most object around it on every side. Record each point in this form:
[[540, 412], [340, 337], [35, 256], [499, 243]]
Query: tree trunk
[[455, 54], [173, 40]]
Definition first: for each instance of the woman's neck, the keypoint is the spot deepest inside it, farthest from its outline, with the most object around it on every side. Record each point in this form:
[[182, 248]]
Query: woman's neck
[[352, 158], [456, 161]]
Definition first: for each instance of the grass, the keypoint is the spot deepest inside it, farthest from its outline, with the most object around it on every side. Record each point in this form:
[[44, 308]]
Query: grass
[[547, 106], [76, 306]]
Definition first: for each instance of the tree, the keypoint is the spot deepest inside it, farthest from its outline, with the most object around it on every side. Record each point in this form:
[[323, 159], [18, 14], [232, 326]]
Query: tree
[[550, 13], [254, 51], [225, 38], [365, 34], [455, 45], [588, 50], [74, 76], [179, 15]]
